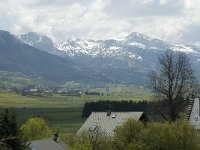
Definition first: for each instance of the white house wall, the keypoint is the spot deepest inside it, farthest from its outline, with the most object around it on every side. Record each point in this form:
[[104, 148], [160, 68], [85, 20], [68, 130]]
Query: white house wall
[[194, 117]]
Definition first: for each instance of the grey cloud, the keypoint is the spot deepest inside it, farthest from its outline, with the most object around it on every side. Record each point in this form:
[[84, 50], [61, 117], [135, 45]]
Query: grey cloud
[[191, 34], [7, 17], [56, 3], [101, 19], [136, 8]]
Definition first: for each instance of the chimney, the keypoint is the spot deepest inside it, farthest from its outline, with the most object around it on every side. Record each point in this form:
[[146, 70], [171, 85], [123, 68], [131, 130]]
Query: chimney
[[55, 137], [108, 112]]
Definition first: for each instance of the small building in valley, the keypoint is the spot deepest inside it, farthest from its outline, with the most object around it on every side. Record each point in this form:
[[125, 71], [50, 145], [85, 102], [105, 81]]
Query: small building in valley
[[108, 121], [193, 113]]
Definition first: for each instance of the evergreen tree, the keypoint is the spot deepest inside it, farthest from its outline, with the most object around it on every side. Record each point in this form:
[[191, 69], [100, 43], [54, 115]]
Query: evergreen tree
[[10, 133]]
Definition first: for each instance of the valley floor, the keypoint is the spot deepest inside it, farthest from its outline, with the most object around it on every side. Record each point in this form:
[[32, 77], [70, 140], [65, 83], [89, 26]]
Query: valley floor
[[62, 113]]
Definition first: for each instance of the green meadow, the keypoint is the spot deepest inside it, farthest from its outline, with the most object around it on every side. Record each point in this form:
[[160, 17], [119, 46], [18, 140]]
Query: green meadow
[[63, 113]]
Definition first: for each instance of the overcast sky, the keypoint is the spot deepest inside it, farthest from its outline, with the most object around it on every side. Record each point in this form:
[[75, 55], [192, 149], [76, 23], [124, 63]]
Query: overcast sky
[[176, 21]]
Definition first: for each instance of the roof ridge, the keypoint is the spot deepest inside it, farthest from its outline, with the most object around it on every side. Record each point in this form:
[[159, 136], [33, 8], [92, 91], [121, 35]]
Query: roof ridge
[[118, 111]]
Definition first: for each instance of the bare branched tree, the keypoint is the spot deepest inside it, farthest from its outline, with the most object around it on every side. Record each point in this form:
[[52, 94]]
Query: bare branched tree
[[175, 82]]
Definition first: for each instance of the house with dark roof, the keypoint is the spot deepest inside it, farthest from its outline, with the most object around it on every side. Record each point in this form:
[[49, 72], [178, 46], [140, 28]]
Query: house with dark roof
[[48, 144], [193, 113], [108, 121]]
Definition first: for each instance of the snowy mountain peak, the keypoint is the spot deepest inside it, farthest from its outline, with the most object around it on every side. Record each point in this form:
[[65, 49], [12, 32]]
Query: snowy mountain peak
[[38, 41], [30, 38], [70, 40], [137, 36], [144, 42]]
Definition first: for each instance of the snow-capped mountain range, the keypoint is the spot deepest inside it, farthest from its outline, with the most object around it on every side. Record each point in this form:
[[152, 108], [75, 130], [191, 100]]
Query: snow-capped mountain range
[[104, 48], [130, 58]]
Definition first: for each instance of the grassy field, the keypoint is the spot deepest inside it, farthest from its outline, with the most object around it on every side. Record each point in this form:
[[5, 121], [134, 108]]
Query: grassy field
[[62, 113]]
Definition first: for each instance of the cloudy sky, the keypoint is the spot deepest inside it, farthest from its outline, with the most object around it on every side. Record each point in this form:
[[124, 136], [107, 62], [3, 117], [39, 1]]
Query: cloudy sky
[[176, 21]]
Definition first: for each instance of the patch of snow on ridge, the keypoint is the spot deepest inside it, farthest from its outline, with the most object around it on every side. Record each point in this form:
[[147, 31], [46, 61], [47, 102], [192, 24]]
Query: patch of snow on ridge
[[87, 44], [182, 48], [91, 43], [153, 47], [40, 39], [121, 40], [114, 47], [139, 58], [132, 56], [140, 45]]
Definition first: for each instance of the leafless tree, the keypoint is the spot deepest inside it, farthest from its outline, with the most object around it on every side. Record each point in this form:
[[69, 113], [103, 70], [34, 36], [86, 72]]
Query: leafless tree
[[175, 82]]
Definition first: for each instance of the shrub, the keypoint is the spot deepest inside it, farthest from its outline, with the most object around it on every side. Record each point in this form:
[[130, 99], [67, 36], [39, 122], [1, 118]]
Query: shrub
[[90, 141], [156, 136], [35, 128], [129, 136]]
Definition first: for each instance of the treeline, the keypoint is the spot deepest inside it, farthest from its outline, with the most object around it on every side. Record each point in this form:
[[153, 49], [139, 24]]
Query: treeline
[[93, 93], [117, 106]]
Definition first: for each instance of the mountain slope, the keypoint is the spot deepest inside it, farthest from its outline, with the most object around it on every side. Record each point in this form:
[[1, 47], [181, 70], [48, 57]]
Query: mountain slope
[[127, 60], [16, 56]]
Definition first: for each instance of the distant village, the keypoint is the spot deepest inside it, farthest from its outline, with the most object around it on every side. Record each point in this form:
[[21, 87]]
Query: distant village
[[37, 91]]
